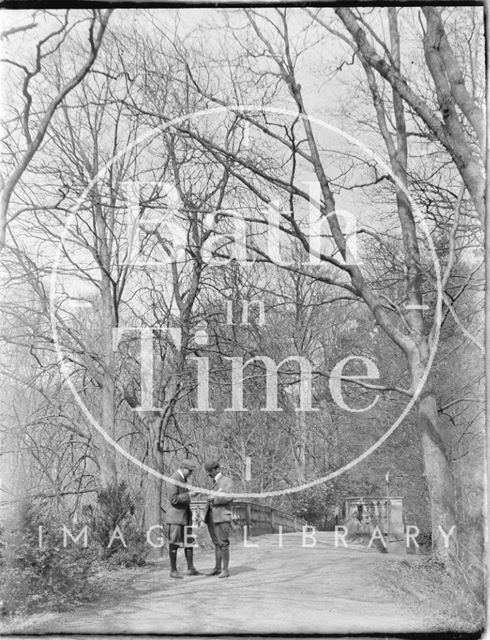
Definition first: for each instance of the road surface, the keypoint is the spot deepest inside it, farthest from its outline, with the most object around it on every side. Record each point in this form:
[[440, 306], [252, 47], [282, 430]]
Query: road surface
[[293, 589]]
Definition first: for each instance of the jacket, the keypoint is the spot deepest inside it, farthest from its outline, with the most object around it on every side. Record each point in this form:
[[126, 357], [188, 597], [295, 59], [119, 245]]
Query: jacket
[[220, 507], [179, 503]]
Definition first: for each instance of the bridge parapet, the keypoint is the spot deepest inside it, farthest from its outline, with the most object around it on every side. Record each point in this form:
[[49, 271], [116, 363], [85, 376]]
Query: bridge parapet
[[258, 518], [373, 512]]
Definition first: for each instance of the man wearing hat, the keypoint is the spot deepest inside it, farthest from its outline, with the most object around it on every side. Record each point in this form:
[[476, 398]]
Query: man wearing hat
[[179, 520], [218, 518]]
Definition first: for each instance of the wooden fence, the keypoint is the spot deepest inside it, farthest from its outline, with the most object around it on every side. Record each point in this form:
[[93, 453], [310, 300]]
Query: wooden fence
[[259, 518]]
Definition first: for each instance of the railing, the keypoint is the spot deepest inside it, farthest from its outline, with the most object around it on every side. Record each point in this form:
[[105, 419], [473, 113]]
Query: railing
[[258, 518], [373, 512]]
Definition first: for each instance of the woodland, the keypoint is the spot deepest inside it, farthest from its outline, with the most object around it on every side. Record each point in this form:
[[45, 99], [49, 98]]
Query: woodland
[[192, 197]]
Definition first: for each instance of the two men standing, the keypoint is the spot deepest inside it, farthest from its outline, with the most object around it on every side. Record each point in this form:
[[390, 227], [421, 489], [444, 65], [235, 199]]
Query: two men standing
[[217, 517]]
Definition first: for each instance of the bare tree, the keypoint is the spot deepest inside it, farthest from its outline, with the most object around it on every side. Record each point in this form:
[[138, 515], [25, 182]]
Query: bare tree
[[35, 132], [461, 131]]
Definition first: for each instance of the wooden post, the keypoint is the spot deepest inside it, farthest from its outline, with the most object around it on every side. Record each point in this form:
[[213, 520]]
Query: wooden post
[[387, 510], [272, 519], [248, 518], [248, 468]]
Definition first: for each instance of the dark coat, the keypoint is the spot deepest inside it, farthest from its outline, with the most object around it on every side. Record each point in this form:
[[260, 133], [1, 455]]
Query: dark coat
[[221, 505], [179, 503]]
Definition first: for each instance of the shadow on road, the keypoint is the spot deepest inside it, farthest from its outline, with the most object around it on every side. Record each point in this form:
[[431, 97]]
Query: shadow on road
[[241, 569]]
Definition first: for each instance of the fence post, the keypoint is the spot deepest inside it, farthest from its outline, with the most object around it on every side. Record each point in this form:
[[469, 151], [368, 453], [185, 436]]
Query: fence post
[[272, 519], [248, 518]]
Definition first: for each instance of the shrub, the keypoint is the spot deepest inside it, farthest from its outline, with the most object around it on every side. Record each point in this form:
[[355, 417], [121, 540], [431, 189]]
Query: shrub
[[115, 508], [133, 554], [312, 505], [34, 574]]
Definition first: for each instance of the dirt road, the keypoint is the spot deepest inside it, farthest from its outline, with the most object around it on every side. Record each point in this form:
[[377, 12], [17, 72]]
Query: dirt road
[[323, 589]]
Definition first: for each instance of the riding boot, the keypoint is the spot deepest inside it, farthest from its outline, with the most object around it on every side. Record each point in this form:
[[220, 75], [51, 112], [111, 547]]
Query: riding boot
[[217, 562], [189, 556], [172, 554], [225, 553]]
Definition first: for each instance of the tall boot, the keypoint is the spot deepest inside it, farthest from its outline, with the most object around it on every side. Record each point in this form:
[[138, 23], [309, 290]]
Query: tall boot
[[189, 556], [225, 553], [172, 554], [217, 562]]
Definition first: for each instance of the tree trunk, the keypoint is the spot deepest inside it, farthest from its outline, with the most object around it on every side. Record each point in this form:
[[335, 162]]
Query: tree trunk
[[107, 464], [299, 446], [437, 470], [107, 459], [154, 496]]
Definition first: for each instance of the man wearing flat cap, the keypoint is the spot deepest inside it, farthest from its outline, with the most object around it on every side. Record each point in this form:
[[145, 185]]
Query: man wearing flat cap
[[218, 518], [179, 520]]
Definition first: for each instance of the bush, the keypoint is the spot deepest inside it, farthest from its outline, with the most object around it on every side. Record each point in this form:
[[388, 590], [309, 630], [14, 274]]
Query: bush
[[312, 505], [34, 575], [115, 509], [135, 552], [425, 541], [52, 575]]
